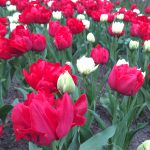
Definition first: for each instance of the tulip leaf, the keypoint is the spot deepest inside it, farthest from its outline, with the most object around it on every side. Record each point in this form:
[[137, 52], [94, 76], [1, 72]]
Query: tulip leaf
[[75, 142], [22, 91], [98, 141], [85, 134], [100, 122], [4, 110], [33, 147], [16, 100]]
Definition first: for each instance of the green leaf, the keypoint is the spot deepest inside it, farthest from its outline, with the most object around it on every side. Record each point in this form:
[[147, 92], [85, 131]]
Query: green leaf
[[85, 134], [16, 100], [98, 141], [147, 97], [33, 147], [4, 110], [100, 122], [75, 142], [23, 92]]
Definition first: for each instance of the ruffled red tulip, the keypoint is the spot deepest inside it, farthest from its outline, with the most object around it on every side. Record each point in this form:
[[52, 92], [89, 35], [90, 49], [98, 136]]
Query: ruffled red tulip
[[147, 10], [3, 30], [124, 79], [99, 54], [53, 26], [20, 40], [76, 26], [1, 130], [5, 50], [38, 42], [35, 14], [67, 11], [63, 38], [42, 118], [2, 3], [43, 75]]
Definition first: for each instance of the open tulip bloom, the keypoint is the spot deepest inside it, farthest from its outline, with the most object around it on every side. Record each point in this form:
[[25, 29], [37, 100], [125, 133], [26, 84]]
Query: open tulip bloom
[[42, 119]]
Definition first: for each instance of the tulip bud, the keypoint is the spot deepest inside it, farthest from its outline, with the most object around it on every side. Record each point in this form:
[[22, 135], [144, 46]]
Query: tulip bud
[[57, 15], [103, 17], [65, 83], [11, 8], [90, 37], [8, 3], [120, 16], [74, 1], [13, 26], [80, 17], [86, 65], [16, 16], [50, 3], [86, 23], [144, 146], [147, 46], [117, 27], [122, 62], [133, 44], [136, 11]]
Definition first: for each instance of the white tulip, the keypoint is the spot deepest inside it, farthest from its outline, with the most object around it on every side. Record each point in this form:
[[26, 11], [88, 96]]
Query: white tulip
[[86, 65]]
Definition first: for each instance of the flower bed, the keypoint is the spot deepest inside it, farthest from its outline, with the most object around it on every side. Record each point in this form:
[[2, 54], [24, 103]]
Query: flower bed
[[70, 60]]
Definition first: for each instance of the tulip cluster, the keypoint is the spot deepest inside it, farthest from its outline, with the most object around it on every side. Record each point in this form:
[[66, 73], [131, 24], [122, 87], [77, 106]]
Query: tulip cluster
[[21, 40], [43, 117]]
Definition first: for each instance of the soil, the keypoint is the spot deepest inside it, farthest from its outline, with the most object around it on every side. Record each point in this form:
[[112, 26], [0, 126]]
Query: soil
[[8, 142]]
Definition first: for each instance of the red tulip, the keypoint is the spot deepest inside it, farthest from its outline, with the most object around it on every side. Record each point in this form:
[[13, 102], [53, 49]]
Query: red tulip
[[35, 14], [2, 3], [43, 75], [53, 26], [99, 54], [147, 10], [38, 42], [1, 130], [5, 50], [3, 30], [63, 38], [124, 79], [20, 40], [43, 119], [76, 26]]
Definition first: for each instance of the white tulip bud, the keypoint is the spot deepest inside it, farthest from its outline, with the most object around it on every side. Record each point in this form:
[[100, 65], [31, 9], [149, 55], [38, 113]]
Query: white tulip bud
[[86, 65], [80, 17], [147, 45], [57, 15], [133, 44], [13, 26], [8, 3], [11, 8], [136, 11], [104, 17], [16, 16], [144, 146], [120, 16], [74, 1], [86, 23], [65, 83], [90, 37], [117, 27], [121, 62], [49, 4]]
